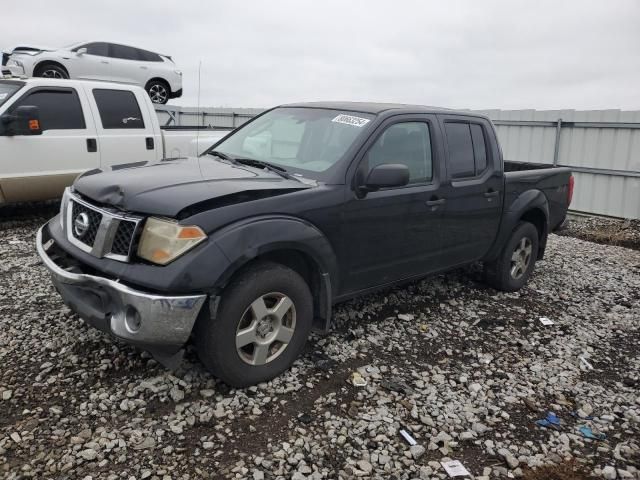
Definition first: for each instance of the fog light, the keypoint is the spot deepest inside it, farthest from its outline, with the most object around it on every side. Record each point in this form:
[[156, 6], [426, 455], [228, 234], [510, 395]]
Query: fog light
[[132, 319]]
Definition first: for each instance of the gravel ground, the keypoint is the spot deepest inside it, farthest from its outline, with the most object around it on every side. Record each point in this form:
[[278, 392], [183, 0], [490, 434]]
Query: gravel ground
[[608, 231], [465, 369]]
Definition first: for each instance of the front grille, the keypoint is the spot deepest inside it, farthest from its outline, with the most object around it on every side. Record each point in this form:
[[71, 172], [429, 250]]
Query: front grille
[[85, 231], [102, 232], [123, 239]]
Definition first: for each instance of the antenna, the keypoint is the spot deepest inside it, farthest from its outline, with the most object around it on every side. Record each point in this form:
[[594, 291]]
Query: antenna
[[198, 130], [198, 126]]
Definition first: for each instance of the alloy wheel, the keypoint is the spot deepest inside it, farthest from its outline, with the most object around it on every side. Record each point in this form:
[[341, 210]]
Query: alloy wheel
[[52, 73], [521, 258], [158, 93], [266, 328]]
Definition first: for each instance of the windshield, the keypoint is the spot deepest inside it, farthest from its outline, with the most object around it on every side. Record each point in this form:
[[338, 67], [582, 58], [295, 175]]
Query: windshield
[[7, 89], [307, 139]]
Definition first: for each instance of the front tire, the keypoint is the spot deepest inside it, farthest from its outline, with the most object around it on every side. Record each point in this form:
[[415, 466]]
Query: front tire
[[262, 324], [158, 91], [51, 70], [512, 269]]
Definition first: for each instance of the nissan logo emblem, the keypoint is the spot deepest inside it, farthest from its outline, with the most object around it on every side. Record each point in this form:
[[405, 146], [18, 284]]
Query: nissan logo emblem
[[81, 224]]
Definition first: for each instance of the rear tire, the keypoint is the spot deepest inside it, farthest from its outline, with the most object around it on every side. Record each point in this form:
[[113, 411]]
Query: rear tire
[[261, 326], [50, 70], [512, 269], [159, 91]]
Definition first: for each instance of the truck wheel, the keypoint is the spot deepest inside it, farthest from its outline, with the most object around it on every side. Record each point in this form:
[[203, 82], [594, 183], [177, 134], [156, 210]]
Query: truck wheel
[[515, 264], [158, 91], [261, 326]]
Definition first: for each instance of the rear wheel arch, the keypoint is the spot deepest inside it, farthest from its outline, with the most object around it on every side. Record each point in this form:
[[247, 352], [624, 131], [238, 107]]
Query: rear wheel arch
[[157, 79], [531, 206], [539, 219]]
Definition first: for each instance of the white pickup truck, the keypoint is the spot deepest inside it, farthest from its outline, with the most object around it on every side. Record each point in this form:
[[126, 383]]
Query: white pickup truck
[[51, 130]]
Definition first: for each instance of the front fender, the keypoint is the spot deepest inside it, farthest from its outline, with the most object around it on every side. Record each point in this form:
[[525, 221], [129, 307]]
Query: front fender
[[523, 203], [250, 238]]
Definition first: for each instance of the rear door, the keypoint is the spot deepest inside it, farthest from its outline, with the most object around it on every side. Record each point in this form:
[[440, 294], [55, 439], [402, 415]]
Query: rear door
[[124, 128], [394, 233], [125, 65], [473, 188], [39, 167]]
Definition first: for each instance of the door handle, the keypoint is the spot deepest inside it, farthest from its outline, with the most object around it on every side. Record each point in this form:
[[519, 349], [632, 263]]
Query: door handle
[[434, 202], [92, 145], [491, 193]]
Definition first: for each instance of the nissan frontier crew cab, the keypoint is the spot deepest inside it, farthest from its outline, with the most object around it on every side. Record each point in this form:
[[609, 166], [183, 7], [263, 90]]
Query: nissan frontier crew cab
[[247, 247]]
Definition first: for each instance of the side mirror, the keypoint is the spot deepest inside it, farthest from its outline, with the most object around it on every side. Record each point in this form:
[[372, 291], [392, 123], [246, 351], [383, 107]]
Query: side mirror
[[81, 51], [385, 176], [24, 120]]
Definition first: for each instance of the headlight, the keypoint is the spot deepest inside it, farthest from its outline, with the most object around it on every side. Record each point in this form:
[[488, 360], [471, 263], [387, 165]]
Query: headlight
[[163, 241]]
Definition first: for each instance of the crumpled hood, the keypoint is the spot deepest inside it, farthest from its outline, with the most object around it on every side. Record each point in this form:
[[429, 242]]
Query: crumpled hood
[[22, 48], [168, 187]]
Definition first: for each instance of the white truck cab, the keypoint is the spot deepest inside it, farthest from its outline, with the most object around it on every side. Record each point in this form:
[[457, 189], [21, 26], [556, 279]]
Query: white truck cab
[[51, 130]]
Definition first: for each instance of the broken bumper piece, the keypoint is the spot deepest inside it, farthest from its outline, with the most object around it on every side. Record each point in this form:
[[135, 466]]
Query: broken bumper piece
[[158, 323]]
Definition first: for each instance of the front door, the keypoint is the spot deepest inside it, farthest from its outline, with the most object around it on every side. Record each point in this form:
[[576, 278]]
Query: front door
[[393, 233], [39, 167], [92, 65]]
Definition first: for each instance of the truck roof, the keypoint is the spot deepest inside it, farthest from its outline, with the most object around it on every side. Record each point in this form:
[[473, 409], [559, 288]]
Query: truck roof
[[377, 108], [65, 82]]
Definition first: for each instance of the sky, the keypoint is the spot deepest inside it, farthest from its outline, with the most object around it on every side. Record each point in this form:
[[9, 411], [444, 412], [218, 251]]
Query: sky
[[509, 54]]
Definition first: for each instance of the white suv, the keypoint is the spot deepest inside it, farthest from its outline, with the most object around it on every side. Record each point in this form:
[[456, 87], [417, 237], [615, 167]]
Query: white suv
[[100, 61]]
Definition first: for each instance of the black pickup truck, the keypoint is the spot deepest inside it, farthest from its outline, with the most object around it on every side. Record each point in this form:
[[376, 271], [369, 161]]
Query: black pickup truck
[[246, 248]]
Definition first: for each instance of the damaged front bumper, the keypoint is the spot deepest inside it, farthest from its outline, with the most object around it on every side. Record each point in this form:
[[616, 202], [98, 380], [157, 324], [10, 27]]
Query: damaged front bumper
[[158, 323]]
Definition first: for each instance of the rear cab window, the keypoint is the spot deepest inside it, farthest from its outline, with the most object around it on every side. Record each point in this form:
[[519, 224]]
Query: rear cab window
[[467, 148], [59, 108], [118, 109]]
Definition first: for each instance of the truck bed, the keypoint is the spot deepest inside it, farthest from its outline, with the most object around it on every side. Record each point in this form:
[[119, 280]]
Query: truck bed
[[553, 181]]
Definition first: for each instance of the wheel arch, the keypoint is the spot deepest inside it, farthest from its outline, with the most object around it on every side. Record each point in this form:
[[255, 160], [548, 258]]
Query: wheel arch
[[531, 206], [158, 79], [289, 241], [42, 63]]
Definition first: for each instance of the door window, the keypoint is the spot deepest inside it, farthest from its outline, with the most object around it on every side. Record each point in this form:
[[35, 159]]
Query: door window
[[467, 149], [118, 109], [124, 52], [58, 109], [408, 143], [99, 49], [147, 56]]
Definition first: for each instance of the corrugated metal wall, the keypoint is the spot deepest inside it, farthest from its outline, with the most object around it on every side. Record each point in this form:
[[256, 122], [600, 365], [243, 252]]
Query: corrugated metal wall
[[603, 147]]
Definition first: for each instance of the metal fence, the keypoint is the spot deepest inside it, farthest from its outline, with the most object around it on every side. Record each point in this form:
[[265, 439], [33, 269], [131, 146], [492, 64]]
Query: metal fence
[[602, 147]]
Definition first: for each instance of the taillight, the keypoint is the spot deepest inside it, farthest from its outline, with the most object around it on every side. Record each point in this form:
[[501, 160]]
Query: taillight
[[570, 191]]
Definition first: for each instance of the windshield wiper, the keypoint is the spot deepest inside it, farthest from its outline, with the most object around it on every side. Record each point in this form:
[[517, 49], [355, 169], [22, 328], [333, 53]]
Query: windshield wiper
[[266, 165], [222, 155]]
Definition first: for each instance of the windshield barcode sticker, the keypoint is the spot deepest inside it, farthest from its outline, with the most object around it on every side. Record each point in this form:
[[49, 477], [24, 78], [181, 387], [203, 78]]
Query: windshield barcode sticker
[[351, 120]]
